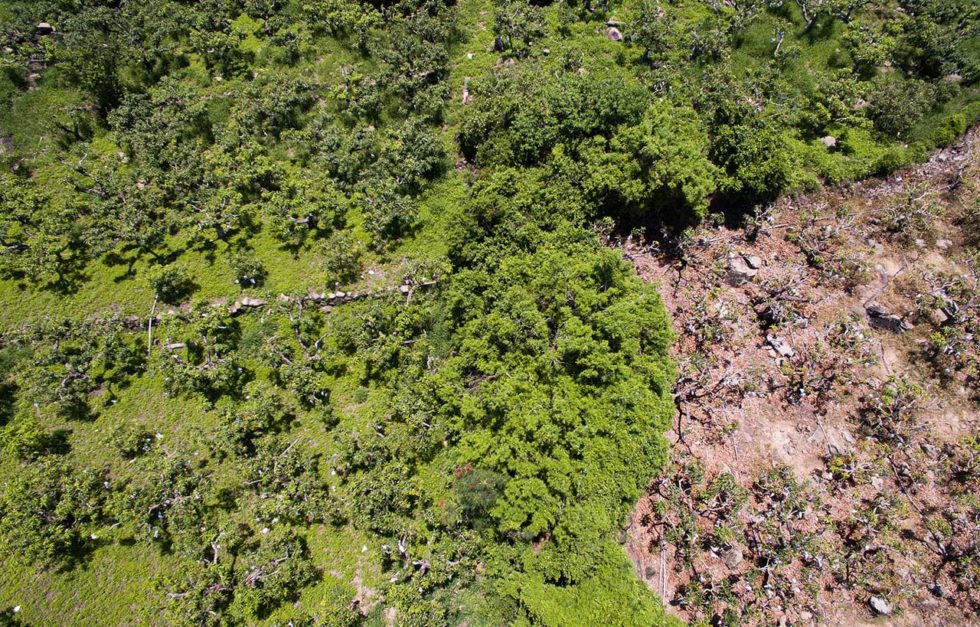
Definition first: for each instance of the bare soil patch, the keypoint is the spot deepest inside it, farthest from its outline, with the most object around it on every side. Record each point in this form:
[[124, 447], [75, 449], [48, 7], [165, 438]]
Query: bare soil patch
[[825, 466]]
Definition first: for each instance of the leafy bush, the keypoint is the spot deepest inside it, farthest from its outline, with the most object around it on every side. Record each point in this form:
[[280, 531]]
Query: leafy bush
[[248, 270], [171, 283], [48, 509]]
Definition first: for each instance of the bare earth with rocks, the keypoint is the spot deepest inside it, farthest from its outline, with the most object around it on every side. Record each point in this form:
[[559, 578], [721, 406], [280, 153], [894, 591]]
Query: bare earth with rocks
[[825, 458]]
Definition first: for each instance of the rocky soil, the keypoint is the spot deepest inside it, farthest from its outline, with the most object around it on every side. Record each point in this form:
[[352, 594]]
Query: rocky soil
[[825, 466]]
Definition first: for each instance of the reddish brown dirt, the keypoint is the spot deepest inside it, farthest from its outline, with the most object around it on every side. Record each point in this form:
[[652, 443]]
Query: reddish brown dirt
[[739, 410]]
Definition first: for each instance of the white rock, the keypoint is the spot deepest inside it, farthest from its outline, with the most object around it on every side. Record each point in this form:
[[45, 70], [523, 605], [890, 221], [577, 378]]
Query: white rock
[[782, 346], [880, 606]]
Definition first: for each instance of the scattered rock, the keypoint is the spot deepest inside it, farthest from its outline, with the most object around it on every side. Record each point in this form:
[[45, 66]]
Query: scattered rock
[[44, 28], [954, 78], [938, 317], [882, 318], [754, 261], [613, 34], [943, 244], [404, 289], [650, 572], [248, 301], [880, 606], [781, 346], [174, 346], [732, 557], [939, 590], [739, 269], [829, 141]]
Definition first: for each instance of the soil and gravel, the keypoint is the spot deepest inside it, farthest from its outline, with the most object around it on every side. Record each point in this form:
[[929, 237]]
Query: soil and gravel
[[808, 350]]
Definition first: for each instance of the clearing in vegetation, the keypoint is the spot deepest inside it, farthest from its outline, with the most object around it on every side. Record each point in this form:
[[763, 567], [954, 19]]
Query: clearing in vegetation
[[826, 451]]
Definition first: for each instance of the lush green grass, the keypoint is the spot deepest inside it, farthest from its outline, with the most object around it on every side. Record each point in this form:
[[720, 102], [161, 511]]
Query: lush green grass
[[111, 589]]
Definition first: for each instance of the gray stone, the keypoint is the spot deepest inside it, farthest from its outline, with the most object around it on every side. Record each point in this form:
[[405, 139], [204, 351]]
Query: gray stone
[[881, 318], [44, 28], [614, 34], [938, 317], [739, 269], [939, 590], [754, 261], [880, 606], [829, 141], [781, 346], [732, 557], [248, 301]]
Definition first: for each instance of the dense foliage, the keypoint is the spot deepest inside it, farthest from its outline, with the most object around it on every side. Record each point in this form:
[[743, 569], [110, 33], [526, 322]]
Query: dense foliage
[[292, 332]]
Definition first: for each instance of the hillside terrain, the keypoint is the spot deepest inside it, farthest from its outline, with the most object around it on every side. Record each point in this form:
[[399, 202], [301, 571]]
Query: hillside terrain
[[824, 456], [343, 312]]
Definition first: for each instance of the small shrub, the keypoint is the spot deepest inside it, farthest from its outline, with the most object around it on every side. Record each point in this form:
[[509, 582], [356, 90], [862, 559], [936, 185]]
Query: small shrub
[[171, 283], [248, 270], [131, 440], [891, 411], [342, 254]]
